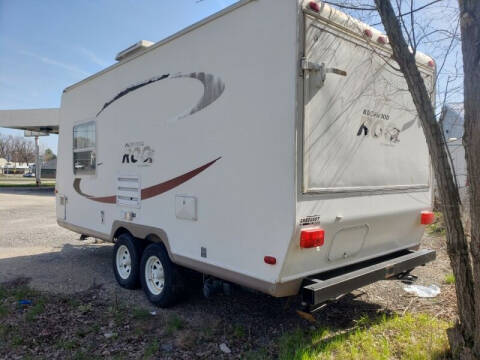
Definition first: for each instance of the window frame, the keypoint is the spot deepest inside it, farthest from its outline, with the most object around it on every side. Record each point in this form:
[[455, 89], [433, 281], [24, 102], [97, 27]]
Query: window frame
[[90, 149]]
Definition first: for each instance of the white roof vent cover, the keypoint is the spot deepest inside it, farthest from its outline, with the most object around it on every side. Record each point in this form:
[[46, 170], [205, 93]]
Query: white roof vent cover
[[134, 49]]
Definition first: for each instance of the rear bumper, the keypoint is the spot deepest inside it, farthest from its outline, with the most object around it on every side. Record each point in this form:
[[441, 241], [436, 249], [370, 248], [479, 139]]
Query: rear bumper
[[327, 286]]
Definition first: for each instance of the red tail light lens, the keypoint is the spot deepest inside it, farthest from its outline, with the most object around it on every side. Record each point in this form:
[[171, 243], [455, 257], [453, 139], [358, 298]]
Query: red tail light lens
[[427, 218], [312, 238], [314, 6], [270, 260]]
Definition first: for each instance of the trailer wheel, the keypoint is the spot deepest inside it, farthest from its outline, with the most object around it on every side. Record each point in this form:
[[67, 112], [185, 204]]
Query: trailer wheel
[[126, 261], [160, 278]]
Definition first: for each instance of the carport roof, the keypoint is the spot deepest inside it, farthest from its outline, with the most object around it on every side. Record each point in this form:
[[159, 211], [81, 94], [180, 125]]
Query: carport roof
[[41, 120]]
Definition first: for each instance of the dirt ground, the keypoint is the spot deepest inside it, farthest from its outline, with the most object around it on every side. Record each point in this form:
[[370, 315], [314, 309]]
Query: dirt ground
[[54, 260]]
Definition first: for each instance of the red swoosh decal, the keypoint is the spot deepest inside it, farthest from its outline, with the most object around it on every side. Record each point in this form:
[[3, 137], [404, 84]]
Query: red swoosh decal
[[151, 191]]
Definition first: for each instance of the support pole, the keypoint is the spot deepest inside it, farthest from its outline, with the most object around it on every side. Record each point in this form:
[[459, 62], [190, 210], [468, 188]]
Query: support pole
[[38, 170]]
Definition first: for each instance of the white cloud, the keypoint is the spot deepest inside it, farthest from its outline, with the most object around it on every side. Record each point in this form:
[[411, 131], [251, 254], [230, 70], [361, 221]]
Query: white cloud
[[46, 60], [90, 55]]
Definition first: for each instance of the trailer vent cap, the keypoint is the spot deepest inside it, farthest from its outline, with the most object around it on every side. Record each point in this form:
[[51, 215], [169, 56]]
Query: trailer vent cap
[[382, 40], [368, 33], [310, 238], [314, 6], [134, 49]]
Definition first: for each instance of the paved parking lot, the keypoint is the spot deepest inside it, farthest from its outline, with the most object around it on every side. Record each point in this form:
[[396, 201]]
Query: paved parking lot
[[33, 245]]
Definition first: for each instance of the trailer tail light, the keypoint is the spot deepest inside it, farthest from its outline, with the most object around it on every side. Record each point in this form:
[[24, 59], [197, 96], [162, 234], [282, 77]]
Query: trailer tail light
[[427, 218], [314, 6], [431, 63], [310, 238], [270, 260]]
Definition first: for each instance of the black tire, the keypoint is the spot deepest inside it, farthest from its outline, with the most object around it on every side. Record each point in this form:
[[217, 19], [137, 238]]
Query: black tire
[[173, 283], [129, 279]]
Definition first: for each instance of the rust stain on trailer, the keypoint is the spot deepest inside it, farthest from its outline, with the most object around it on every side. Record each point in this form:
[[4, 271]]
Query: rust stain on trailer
[[151, 191]]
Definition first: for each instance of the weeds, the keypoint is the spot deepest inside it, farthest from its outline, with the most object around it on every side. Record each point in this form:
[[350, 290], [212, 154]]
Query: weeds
[[174, 323], [141, 314], [151, 349], [438, 227], [239, 331], [35, 311], [3, 311], [450, 279], [85, 308]]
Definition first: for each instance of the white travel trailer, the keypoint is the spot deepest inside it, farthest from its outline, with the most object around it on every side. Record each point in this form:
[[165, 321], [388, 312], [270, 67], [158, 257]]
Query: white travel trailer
[[271, 145]]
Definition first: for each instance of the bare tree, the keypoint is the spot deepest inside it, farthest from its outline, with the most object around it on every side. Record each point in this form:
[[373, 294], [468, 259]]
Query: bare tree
[[26, 151], [17, 149], [464, 257], [4, 146], [470, 27]]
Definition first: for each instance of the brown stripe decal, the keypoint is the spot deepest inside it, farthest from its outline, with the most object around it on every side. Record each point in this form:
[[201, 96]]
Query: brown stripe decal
[[106, 199], [155, 190], [151, 191]]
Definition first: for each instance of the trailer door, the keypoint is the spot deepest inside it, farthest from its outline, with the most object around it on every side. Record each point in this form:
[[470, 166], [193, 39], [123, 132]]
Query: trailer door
[[361, 130]]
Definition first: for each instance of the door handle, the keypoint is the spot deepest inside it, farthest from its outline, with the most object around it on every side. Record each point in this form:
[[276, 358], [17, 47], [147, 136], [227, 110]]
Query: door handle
[[320, 71]]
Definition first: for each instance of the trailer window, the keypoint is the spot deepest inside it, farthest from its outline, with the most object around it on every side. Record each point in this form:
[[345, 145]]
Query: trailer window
[[84, 149]]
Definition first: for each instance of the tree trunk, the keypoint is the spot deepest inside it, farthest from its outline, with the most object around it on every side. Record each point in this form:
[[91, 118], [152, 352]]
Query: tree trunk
[[470, 27], [457, 245]]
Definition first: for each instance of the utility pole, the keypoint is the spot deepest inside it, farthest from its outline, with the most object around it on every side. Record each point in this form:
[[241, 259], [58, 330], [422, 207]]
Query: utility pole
[[38, 170]]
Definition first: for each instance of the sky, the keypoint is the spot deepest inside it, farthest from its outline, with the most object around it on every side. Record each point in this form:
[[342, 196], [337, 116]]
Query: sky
[[47, 45]]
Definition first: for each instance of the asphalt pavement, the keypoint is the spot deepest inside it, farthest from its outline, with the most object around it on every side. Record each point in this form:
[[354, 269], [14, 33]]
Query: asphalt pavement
[[32, 245]]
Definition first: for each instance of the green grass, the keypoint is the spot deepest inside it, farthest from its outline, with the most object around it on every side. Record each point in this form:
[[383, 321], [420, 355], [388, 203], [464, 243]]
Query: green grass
[[141, 314], [66, 344], [174, 323], [412, 337], [22, 292], [151, 349], [85, 308], [3, 311], [3, 293], [438, 227], [239, 331], [450, 279], [35, 311]]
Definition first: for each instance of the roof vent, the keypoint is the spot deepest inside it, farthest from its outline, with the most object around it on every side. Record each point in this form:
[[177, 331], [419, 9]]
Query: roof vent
[[134, 49]]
